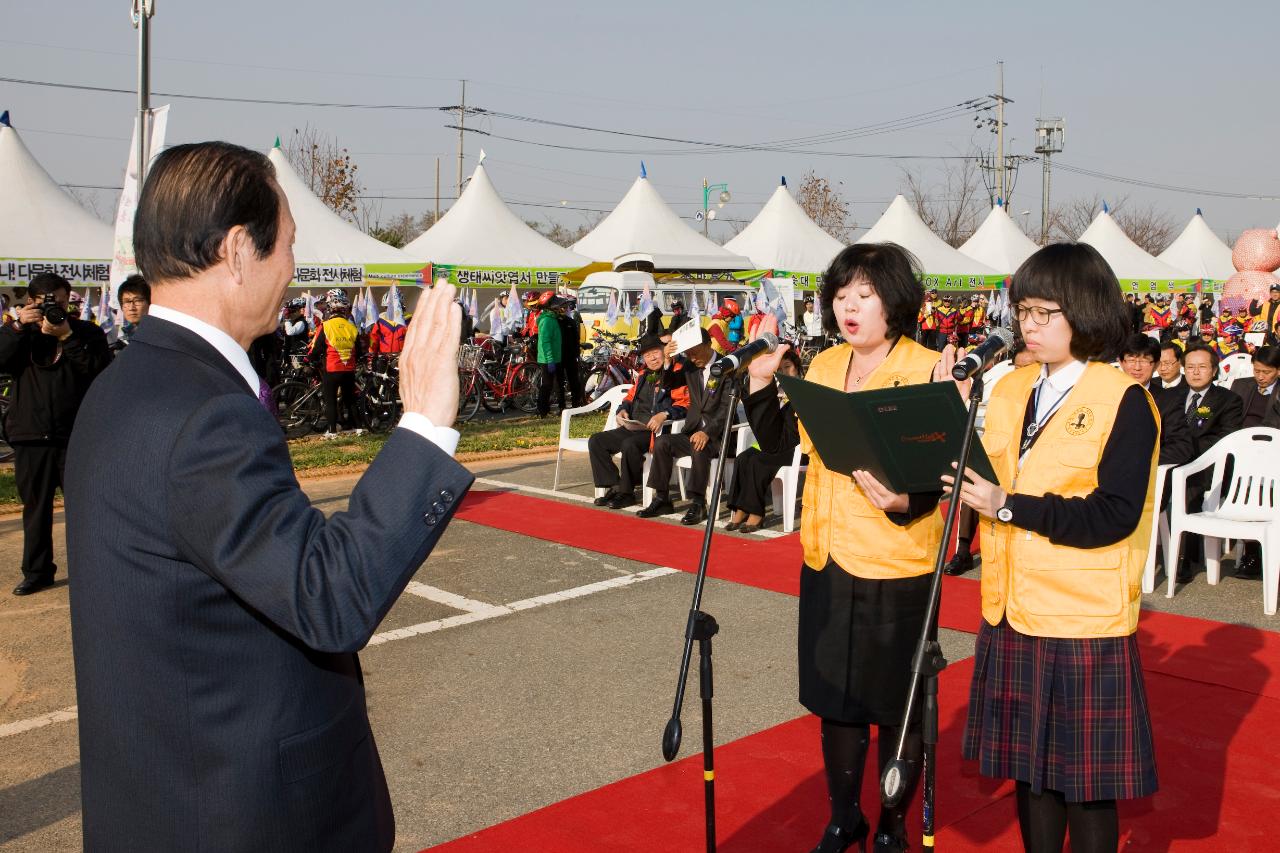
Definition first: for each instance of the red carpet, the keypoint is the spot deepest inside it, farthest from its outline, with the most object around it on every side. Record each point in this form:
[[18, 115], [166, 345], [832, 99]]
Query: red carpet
[[1214, 692]]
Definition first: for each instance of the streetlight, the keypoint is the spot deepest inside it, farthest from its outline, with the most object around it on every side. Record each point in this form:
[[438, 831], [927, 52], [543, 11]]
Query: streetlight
[[1026, 214], [707, 214]]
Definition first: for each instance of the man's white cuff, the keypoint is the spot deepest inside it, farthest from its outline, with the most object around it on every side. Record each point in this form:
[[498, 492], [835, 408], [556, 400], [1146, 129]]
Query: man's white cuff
[[445, 438]]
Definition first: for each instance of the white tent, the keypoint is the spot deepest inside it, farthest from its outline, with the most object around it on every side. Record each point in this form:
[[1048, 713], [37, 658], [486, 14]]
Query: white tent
[[943, 265], [481, 231], [642, 222], [1200, 252], [40, 223], [999, 242], [1129, 261], [782, 237], [327, 248]]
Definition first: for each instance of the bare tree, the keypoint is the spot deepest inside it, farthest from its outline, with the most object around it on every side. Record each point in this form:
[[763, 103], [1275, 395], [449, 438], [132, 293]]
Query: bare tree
[[953, 205], [1148, 226], [326, 168], [557, 232], [825, 205]]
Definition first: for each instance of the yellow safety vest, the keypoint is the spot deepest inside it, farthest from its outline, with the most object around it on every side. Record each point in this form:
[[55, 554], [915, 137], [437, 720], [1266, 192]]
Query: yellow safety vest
[[1049, 590], [836, 520]]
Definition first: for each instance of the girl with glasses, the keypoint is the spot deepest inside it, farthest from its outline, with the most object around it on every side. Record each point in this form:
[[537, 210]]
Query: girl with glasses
[[1057, 701]]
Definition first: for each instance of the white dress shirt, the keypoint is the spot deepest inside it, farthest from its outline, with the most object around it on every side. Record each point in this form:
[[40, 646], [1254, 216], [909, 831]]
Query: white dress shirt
[[1052, 390], [443, 437]]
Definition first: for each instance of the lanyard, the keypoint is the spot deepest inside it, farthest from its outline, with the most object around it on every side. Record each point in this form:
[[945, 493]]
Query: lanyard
[[1033, 429]]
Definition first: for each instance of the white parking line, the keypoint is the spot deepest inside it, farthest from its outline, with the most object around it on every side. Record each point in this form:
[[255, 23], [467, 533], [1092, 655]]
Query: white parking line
[[496, 610], [449, 599], [477, 611], [674, 516], [38, 722]]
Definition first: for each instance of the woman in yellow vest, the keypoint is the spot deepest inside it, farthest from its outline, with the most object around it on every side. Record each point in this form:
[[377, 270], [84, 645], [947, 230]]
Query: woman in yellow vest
[[868, 552], [1057, 701]]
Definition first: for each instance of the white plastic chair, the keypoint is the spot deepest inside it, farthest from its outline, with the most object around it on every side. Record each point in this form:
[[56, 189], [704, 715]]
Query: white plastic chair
[[786, 486], [646, 493], [685, 463], [1159, 533], [612, 398], [1247, 507], [1233, 367]]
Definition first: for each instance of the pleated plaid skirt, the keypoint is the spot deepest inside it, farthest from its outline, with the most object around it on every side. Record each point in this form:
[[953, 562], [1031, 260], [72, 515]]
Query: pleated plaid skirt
[[1067, 715]]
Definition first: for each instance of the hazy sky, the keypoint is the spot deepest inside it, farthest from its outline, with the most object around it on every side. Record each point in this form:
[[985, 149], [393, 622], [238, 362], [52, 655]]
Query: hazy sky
[[1173, 93]]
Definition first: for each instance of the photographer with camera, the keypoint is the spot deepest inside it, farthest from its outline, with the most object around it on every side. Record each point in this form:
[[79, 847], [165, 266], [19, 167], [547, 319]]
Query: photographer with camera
[[52, 358]]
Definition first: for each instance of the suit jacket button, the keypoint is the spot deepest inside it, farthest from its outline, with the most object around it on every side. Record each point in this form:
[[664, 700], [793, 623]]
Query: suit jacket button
[[438, 508], [430, 518], [446, 495]]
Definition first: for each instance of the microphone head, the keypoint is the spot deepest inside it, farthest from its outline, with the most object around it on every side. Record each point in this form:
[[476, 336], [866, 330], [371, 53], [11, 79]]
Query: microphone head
[[1004, 335], [769, 338]]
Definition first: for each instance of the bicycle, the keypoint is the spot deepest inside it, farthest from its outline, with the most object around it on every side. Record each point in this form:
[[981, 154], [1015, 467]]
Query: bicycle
[[519, 384], [612, 361]]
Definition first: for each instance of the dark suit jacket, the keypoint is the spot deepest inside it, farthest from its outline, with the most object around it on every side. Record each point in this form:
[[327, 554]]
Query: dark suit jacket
[[1226, 415], [216, 614], [1247, 388], [707, 409], [1177, 446]]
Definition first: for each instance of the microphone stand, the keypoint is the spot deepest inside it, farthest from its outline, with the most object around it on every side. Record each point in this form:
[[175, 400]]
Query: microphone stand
[[702, 627], [928, 662]]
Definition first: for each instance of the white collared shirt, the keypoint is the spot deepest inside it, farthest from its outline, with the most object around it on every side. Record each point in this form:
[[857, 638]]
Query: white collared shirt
[[1191, 392], [1055, 388], [443, 437], [1168, 385]]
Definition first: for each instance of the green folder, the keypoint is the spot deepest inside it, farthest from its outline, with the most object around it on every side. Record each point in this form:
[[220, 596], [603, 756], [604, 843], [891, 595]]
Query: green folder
[[907, 436]]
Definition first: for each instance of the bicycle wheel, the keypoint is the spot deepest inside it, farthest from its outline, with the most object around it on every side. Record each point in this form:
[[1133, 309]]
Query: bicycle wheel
[[595, 383], [468, 397], [525, 387], [299, 409]]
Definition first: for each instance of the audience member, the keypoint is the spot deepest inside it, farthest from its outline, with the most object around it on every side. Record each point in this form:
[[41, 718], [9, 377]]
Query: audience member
[[334, 352], [754, 469], [704, 422], [52, 358], [134, 296], [1138, 360], [1258, 393]]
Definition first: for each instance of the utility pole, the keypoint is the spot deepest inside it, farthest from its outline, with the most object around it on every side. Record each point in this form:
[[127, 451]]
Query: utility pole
[[1050, 135], [1000, 102], [462, 127], [437, 219], [143, 11]]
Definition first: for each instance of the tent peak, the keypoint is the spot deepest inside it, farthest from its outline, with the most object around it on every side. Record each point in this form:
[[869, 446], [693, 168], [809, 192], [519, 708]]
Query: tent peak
[[1199, 212], [277, 145], [644, 173], [784, 180], [4, 119]]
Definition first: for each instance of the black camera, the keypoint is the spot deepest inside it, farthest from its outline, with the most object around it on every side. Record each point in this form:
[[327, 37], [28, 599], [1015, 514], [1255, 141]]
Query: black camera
[[52, 311]]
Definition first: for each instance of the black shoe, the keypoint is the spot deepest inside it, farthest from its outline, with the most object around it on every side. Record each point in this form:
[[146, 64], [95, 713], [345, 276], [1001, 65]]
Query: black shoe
[[608, 496], [31, 585], [1249, 566], [838, 839], [695, 514], [1186, 571], [622, 500], [958, 564], [886, 843], [658, 506]]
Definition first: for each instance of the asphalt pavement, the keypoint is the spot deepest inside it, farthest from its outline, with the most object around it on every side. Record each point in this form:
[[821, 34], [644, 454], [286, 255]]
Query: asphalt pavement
[[483, 712]]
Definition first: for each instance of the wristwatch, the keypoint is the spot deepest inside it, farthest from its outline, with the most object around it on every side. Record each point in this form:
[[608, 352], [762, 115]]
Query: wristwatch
[[1005, 513]]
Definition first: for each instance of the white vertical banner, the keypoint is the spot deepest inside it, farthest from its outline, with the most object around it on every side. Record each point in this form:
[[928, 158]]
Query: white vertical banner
[[122, 261]]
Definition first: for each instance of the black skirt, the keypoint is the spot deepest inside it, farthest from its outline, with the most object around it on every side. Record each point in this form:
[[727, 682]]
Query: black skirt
[[856, 640]]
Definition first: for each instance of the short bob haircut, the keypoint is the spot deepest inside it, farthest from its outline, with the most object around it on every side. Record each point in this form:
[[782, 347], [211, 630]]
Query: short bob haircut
[[1268, 357], [1140, 344], [194, 194], [1077, 278], [892, 272]]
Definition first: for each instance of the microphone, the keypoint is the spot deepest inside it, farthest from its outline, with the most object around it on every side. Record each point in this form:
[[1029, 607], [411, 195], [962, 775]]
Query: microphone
[[727, 365], [996, 343]]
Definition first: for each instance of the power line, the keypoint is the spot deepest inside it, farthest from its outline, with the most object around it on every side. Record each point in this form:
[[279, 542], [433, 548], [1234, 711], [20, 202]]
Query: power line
[[1079, 170]]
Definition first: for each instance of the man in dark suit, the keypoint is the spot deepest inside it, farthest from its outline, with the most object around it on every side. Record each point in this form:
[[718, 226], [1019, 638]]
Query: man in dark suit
[[215, 613], [1259, 391], [700, 438], [1169, 366], [1138, 360], [1212, 412]]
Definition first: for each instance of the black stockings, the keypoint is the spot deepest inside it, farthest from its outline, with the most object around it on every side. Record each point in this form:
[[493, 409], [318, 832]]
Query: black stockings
[[844, 755], [1045, 817]]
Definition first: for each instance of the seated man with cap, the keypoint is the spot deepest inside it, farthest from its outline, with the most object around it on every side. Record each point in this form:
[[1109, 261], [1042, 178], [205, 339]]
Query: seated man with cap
[[648, 406], [704, 422]]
